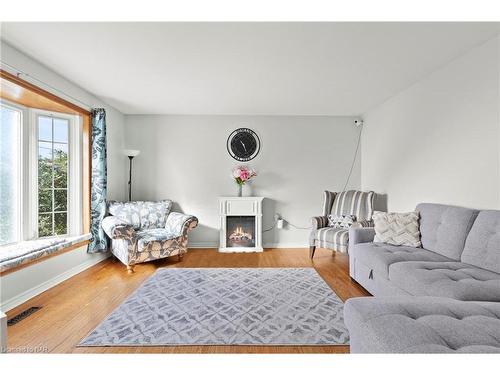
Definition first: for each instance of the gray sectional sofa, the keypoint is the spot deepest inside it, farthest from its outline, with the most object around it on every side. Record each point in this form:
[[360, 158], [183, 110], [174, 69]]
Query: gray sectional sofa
[[443, 297]]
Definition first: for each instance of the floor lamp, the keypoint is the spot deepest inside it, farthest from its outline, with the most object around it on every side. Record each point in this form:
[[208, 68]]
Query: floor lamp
[[131, 154]]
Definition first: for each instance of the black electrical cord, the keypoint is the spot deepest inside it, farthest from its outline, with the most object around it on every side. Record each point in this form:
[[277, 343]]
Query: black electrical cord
[[354, 158]]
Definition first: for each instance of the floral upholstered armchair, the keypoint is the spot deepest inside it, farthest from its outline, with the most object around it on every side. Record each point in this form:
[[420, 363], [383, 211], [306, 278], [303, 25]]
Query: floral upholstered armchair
[[145, 231], [341, 211]]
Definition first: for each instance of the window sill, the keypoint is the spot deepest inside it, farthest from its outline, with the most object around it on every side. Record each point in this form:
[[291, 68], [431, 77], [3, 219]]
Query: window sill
[[20, 255]]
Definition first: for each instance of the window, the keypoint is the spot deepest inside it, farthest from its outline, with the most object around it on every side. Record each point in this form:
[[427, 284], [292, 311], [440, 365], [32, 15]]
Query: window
[[41, 182], [10, 168]]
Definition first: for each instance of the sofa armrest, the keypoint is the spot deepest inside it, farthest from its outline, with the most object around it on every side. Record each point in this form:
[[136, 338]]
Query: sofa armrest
[[319, 222], [360, 235], [116, 228], [180, 224]]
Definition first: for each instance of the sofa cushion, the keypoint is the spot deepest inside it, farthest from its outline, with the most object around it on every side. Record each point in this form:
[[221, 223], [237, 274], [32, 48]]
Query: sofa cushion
[[482, 247], [140, 214], [446, 279], [422, 325], [146, 236], [379, 256], [444, 228]]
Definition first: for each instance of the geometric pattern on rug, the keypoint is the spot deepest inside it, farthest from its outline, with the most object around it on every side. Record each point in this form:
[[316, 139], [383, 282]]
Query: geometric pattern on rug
[[226, 306]]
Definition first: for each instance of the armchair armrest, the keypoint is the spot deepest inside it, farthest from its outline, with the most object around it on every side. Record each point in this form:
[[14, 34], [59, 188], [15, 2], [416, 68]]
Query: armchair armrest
[[116, 228], [180, 224], [360, 235], [319, 222], [363, 224]]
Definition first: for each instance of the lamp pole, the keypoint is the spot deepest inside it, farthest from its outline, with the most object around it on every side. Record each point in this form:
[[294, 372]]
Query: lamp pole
[[130, 154]]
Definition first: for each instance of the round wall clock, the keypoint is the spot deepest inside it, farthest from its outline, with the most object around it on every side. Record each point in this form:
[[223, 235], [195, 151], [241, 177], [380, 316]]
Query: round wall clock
[[243, 144]]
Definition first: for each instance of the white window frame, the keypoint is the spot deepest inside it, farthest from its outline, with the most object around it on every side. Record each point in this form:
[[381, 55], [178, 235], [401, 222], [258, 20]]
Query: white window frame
[[28, 184]]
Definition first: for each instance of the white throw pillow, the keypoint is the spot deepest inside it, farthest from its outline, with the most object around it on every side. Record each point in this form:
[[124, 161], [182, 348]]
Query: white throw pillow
[[400, 229]]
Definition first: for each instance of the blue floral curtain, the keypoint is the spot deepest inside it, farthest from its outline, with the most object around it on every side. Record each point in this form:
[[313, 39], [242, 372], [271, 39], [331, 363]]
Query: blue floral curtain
[[99, 242]]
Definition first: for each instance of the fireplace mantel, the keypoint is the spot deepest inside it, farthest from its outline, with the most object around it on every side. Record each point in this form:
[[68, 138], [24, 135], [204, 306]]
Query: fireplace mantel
[[240, 224]]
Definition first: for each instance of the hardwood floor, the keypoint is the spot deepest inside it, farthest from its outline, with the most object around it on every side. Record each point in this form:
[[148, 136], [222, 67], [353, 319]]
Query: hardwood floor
[[73, 308]]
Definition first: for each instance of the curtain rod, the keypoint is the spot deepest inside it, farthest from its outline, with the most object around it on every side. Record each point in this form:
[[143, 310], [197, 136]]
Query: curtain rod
[[19, 72]]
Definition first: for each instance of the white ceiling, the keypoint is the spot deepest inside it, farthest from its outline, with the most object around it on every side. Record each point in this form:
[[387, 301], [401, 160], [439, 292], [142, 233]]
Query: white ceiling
[[245, 68]]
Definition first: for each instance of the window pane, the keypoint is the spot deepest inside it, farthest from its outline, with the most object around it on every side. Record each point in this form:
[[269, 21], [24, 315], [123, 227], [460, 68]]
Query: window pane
[[45, 129], [44, 225], [60, 165], [45, 200], [10, 152], [44, 167], [60, 200], [45, 150], [60, 130], [52, 176], [61, 223]]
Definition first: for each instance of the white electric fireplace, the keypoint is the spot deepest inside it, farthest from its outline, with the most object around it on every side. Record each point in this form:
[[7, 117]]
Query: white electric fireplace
[[240, 224]]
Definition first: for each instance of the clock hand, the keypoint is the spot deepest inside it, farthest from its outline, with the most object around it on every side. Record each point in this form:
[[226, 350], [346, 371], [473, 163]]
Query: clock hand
[[243, 146]]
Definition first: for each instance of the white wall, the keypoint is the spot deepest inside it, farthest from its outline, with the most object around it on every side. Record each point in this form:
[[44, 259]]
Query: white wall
[[184, 158], [439, 140], [21, 285]]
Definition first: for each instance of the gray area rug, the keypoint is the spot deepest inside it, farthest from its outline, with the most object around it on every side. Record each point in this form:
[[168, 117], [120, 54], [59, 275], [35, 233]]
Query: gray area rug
[[226, 306]]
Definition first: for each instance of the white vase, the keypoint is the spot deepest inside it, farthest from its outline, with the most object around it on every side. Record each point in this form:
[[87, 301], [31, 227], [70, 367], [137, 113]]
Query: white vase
[[247, 190]]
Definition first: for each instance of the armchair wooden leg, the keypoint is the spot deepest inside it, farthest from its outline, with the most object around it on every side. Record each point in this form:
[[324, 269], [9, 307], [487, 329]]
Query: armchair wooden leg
[[130, 268], [312, 249], [180, 256]]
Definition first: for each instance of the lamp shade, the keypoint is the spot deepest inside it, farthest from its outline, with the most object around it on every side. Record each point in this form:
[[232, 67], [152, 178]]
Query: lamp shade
[[131, 152]]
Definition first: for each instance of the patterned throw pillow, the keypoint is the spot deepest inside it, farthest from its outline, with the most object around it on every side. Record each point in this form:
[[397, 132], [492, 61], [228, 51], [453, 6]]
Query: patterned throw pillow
[[400, 229], [142, 214], [342, 221]]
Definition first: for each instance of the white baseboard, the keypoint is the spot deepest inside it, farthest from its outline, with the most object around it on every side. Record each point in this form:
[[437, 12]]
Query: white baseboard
[[276, 245], [33, 292]]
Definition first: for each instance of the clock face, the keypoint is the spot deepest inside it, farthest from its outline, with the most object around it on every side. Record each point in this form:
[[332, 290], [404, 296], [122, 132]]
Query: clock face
[[243, 144]]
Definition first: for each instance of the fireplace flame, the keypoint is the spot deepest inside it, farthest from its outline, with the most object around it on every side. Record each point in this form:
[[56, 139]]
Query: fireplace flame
[[239, 234]]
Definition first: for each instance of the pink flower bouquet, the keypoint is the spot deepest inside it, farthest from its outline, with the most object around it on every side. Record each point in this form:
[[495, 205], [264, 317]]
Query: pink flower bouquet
[[242, 174]]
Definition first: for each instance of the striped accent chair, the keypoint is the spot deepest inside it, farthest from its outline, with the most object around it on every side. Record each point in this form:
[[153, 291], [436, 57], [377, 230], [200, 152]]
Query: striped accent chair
[[351, 202]]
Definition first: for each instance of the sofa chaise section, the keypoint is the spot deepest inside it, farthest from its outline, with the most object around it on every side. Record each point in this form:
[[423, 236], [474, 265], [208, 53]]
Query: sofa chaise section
[[422, 325]]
